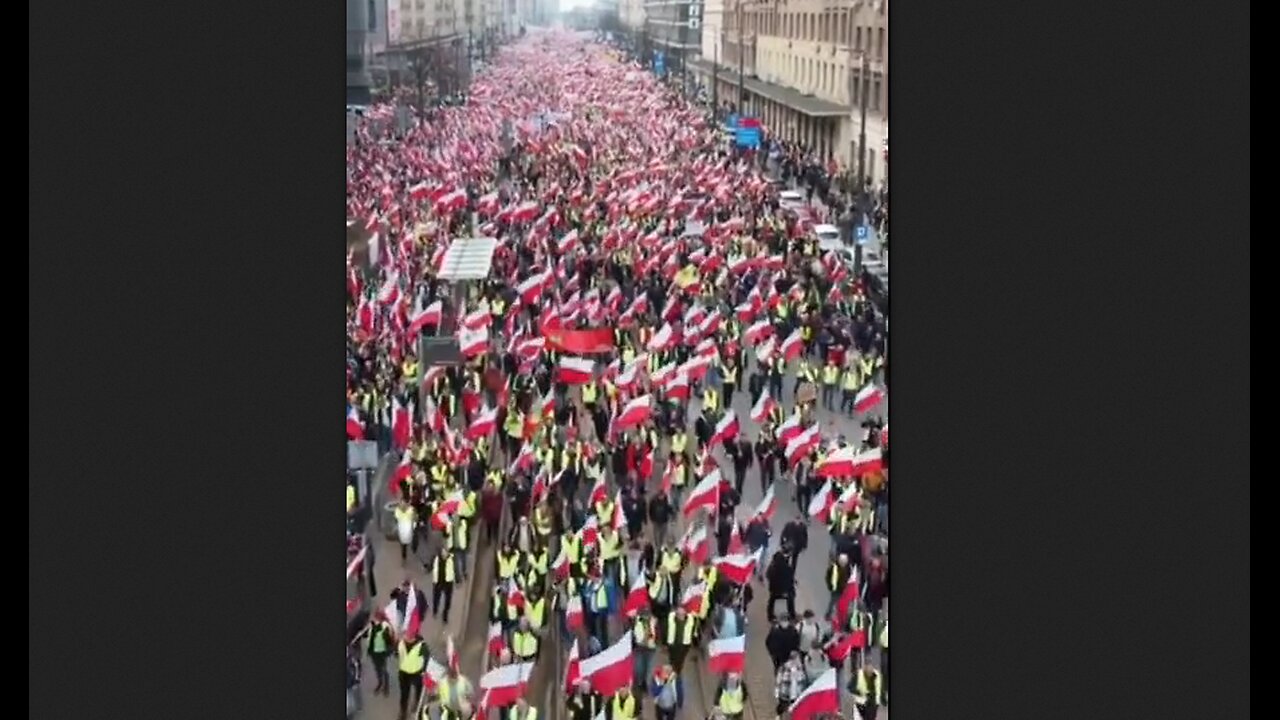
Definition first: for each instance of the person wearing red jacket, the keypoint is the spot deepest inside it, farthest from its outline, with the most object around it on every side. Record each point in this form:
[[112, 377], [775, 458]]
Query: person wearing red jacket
[[491, 502]]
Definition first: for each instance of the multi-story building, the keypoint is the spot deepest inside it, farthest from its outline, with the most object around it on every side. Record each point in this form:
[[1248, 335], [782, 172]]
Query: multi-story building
[[631, 14], [808, 67], [674, 28], [358, 80]]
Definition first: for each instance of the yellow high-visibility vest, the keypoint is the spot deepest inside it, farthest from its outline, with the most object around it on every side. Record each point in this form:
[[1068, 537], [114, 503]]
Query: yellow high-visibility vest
[[507, 565], [351, 498], [624, 708], [536, 612], [830, 374], [524, 644], [411, 658], [873, 691], [449, 566], [731, 701], [685, 633]]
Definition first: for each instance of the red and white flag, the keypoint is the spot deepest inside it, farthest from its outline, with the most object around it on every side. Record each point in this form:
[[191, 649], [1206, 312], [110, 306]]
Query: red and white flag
[[496, 642], [611, 669], [848, 596], [355, 428], [560, 566], [695, 544], [485, 423], [821, 502], [822, 697], [789, 429], [412, 619], [575, 370], [473, 342], [737, 568], [706, 494], [758, 331], [637, 596], [768, 504], [726, 429], [765, 405], [792, 346], [573, 617], [401, 424], [573, 668], [661, 340], [433, 675], [635, 412], [867, 398], [692, 598], [850, 462], [506, 684], [803, 444], [430, 315], [530, 289], [728, 655]]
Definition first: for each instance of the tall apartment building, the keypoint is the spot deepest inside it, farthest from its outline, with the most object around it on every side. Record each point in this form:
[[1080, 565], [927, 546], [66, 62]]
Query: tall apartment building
[[803, 63], [359, 82], [674, 28]]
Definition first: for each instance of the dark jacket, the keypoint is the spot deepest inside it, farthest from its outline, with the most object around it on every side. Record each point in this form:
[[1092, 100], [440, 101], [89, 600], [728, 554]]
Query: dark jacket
[[660, 510], [781, 575], [781, 642], [796, 534]]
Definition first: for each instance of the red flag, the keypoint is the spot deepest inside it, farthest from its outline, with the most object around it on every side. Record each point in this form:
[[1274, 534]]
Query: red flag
[[581, 342]]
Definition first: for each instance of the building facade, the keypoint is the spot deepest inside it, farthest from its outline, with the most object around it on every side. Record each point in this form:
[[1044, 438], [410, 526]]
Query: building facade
[[359, 81], [807, 67], [631, 14], [673, 31]]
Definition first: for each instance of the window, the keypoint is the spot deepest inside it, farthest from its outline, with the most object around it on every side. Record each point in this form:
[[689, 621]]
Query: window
[[880, 44], [373, 17], [857, 88], [857, 44], [875, 95]]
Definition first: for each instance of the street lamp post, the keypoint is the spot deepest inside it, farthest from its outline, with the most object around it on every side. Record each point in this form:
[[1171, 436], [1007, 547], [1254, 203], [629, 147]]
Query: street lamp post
[[864, 85]]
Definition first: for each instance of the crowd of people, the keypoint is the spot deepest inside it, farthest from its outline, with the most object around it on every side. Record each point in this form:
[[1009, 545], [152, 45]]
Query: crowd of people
[[645, 277]]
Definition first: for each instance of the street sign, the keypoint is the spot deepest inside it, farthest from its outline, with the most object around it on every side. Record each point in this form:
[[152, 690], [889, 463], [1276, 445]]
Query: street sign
[[748, 132], [659, 62], [861, 234]]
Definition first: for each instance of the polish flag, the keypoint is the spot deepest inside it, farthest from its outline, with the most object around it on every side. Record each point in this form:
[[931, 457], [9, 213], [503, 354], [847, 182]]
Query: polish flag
[[430, 315], [661, 340], [678, 388], [560, 566], [524, 460], [484, 424], [433, 675], [727, 429], [575, 370], [849, 462], [757, 332], [848, 596], [764, 353], [590, 532], [821, 502], [691, 599], [478, 318], [746, 312], [631, 372], [737, 568], [792, 346], [573, 668], [636, 412], [410, 623], [473, 342], [506, 684], [401, 424], [637, 597], [389, 293], [440, 520], [803, 444], [451, 654], [767, 506], [610, 670], [867, 398], [355, 428], [822, 697], [694, 544], [705, 494], [573, 613], [354, 566], [659, 378], [402, 473], [599, 492], [765, 405], [789, 429], [530, 289], [568, 242], [728, 655], [619, 519]]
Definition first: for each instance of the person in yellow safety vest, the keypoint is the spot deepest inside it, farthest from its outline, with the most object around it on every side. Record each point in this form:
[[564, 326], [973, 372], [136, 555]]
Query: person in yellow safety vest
[[507, 562], [409, 372], [542, 522], [522, 711], [662, 589], [623, 706], [481, 450], [380, 639], [495, 479], [539, 560], [467, 510], [775, 377], [440, 476], [679, 441], [707, 574], [679, 478], [710, 399], [406, 529], [590, 392], [848, 389], [457, 537], [731, 699], [513, 426], [497, 307], [524, 643], [644, 640], [681, 634], [443, 578], [572, 545], [804, 374], [604, 510], [464, 711], [412, 653], [535, 609], [867, 366], [830, 377], [672, 560], [351, 498], [868, 691], [610, 552], [454, 690], [837, 575]]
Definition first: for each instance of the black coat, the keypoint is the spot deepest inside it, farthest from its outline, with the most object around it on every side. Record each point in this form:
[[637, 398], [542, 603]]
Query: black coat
[[781, 642], [796, 534], [781, 575]]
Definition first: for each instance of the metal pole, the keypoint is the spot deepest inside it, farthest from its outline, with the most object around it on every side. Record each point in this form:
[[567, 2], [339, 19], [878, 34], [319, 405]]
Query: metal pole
[[865, 83], [715, 80], [742, 56]]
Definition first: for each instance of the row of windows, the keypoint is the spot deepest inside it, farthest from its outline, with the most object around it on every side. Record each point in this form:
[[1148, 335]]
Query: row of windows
[[831, 26], [825, 79]]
